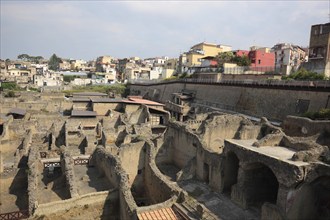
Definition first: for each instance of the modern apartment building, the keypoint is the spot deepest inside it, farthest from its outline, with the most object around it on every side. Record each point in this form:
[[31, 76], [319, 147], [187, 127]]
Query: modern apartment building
[[262, 59], [198, 51], [288, 57], [319, 49]]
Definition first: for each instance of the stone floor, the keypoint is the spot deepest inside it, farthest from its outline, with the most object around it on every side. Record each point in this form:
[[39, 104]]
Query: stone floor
[[52, 188], [169, 170], [13, 191], [219, 204], [88, 180]]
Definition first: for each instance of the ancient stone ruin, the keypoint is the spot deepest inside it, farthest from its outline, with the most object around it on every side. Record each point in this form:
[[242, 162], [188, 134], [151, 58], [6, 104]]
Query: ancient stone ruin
[[128, 159]]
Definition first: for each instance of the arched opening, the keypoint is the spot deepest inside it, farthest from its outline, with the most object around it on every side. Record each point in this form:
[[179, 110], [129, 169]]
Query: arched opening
[[312, 200], [230, 172], [260, 185]]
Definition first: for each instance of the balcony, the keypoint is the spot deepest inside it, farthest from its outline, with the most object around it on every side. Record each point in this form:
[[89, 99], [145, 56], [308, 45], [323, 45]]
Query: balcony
[[171, 106]]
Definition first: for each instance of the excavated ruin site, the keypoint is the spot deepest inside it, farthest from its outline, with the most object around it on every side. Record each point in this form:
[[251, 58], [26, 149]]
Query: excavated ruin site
[[92, 157]]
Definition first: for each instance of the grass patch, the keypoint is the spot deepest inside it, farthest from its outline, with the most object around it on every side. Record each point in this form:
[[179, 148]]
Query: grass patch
[[116, 89]]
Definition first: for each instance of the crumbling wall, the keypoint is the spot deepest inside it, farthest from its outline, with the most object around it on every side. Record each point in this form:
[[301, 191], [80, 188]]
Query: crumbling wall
[[219, 127], [68, 171], [139, 116], [132, 157], [299, 126], [33, 172], [5, 133], [158, 187], [109, 165], [105, 108], [80, 202], [165, 150], [130, 108], [26, 143], [208, 167], [183, 144]]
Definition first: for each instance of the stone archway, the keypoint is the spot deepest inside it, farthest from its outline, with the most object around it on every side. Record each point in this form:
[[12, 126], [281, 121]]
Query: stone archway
[[260, 185], [230, 172], [312, 200]]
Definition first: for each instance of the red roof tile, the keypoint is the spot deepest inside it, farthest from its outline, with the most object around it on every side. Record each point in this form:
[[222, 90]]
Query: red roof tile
[[159, 214]]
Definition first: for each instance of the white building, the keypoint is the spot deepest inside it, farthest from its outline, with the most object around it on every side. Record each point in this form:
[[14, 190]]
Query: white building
[[48, 79], [288, 57]]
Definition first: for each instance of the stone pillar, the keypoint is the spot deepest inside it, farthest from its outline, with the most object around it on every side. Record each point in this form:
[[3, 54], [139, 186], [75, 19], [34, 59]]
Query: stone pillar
[[237, 191], [1, 163], [181, 117], [283, 195]]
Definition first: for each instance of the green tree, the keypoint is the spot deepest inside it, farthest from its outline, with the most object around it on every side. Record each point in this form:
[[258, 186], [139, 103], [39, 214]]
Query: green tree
[[23, 56], [224, 57], [26, 57], [241, 60], [54, 62]]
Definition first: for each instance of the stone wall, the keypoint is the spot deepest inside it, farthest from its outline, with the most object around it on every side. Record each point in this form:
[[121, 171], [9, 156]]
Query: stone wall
[[33, 172], [219, 127], [270, 102], [104, 108], [132, 160], [298, 126], [159, 188], [68, 171], [109, 165], [78, 202], [183, 144]]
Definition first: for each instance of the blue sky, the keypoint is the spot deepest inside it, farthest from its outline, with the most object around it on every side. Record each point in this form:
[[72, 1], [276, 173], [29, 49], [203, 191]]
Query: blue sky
[[88, 29]]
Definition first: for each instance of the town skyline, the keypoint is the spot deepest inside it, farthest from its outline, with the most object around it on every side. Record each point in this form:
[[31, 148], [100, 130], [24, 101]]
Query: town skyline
[[86, 30]]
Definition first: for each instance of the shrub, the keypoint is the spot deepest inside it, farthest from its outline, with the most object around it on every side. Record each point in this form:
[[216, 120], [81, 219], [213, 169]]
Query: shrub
[[10, 94], [304, 74], [324, 113]]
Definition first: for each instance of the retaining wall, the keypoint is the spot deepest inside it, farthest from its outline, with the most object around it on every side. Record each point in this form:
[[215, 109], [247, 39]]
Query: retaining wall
[[271, 102]]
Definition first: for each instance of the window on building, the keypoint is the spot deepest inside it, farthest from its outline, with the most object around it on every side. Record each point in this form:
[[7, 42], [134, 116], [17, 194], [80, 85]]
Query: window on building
[[259, 61], [315, 31]]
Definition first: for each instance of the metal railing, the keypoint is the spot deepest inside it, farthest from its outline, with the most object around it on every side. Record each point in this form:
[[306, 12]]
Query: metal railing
[[21, 214]]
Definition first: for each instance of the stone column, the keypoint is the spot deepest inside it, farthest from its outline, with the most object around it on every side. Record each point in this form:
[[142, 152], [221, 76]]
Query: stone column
[[1, 163], [237, 191], [283, 198]]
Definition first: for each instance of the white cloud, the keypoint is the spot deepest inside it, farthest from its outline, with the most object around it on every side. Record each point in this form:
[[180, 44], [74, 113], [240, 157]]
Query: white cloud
[[147, 27]]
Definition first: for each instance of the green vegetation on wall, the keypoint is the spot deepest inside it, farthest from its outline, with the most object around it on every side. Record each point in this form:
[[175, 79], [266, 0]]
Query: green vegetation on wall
[[69, 78], [229, 57], [116, 89], [10, 86], [304, 74], [324, 113]]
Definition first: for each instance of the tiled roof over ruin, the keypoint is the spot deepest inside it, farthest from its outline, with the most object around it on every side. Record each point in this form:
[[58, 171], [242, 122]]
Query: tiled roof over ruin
[[159, 214], [81, 113], [143, 101], [89, 94], [105, 100], [17, 111]]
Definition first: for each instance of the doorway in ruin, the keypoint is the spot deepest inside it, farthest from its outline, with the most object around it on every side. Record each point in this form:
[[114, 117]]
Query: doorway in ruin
[[312, 200], [206, 173], [260, 185], [230, 172]]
